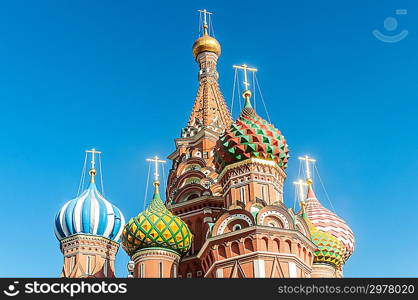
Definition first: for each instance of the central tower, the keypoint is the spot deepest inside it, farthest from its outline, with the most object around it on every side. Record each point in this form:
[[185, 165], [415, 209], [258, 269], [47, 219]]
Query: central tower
[[193, 192]]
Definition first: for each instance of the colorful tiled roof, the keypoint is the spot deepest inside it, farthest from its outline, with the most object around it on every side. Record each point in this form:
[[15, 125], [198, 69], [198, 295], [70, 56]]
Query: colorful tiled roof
[[329, 249], [329, 222], [251, 136], [156, 227]]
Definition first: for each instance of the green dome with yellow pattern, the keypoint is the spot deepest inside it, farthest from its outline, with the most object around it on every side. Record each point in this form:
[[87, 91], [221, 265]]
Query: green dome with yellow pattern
[[328, 248], [156, 227]]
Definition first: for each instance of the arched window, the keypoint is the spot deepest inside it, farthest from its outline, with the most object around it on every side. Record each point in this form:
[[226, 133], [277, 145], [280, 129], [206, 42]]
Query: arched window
[[221, 251], [288, 246], [265, 244], [236, 227], [235, 249], [276, 245], [248, 244]]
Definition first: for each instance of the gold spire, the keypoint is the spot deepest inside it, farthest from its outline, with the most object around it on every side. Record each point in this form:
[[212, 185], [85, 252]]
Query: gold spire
[[92, 171], [206, 43], [156, 160], [247, 93], [308, 160]]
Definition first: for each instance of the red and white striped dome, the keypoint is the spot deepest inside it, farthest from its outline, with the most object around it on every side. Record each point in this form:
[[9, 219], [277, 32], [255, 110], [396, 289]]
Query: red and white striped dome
[[327, 221]]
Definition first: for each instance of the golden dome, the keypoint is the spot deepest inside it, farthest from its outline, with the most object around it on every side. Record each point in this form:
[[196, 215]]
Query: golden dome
[[206, 43]]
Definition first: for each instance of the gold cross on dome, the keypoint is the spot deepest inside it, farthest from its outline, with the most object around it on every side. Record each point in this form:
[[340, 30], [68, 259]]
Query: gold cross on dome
[[156, 160], [299, 186], [205, 23], [308, 160], [93, 156], [245, 68], [92, 171]]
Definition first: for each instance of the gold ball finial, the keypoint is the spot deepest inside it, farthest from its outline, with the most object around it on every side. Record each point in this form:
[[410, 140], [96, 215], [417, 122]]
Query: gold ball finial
[[246, 94], [92, 173]]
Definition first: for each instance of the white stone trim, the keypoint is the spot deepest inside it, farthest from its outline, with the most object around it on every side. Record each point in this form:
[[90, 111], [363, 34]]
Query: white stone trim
[[231, 218], [277, 214]]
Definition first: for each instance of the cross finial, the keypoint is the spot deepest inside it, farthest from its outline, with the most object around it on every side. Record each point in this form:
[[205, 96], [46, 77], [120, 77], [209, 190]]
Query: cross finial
[[205, 23], [308, 160], [92, 171], [156, 160], [245, 68], [299, 187]]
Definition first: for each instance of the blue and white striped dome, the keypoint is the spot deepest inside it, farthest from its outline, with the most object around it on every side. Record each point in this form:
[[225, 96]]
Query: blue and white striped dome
[[89, 213]]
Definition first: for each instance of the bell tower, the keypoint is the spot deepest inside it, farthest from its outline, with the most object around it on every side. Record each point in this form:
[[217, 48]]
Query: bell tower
[[193, 192]]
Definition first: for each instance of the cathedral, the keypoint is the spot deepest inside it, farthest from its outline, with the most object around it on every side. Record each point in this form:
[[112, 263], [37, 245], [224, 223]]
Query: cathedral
[[222, 214]]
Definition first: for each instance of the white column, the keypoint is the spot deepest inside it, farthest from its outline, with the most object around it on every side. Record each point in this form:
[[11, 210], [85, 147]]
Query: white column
[[292, 270], [219, 273], [259, 268]]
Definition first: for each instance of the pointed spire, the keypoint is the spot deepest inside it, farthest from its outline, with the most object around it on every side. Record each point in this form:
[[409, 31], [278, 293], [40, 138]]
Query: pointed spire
[[156, 202], [308, 160], [92, 171], [310, 194], [209, 109]]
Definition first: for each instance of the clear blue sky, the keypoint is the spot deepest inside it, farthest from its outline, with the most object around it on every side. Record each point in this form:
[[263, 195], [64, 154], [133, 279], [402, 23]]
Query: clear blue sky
[[120, 76]]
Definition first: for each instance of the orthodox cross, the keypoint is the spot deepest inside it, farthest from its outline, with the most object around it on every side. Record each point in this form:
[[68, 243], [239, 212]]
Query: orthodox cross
[[205, 23], [299, 186], [308, 160], [93, 156], [92, 171], [245, 68], [156, 160]]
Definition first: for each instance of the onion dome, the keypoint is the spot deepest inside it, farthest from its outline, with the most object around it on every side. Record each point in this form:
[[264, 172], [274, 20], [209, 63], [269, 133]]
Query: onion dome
[[89, 213], [156, 227], [206, 43], [327, 221], [328, 248], [251, 136]]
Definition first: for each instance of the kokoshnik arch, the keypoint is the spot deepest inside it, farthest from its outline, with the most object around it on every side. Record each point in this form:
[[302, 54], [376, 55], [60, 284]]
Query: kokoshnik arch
[[224, 215]]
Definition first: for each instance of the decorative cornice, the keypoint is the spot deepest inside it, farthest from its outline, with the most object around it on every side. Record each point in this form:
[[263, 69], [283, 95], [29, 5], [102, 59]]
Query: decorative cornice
[[146, 252], [252, 160], [254, 230], [85, 237]]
